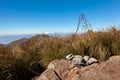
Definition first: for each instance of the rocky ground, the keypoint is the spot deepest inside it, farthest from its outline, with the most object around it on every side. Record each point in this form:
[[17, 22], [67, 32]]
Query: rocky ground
[[63, 70]]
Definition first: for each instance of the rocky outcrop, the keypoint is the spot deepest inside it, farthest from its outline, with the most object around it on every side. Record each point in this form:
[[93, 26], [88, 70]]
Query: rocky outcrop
[[63, 70]]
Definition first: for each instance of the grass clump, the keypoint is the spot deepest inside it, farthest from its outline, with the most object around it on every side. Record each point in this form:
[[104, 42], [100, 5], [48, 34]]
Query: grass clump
[[37, 52]]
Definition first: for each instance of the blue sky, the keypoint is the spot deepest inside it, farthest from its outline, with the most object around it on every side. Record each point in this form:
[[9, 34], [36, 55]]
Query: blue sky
[[36, 16]]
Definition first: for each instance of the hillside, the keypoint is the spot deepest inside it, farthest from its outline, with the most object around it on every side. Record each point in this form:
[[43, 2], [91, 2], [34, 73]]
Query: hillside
[[25, 58], [6, 39]]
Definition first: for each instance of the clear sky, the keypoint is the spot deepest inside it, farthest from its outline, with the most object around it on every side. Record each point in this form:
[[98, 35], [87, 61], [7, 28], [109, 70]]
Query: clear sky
[[36, 16]]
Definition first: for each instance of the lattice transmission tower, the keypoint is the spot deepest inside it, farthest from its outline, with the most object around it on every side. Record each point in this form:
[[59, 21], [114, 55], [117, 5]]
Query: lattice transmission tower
[[83, 24]]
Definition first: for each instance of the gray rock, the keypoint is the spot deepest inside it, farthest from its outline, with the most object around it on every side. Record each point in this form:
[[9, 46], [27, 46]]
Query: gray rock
[[91, 61], [70, 57], [77, 60], [86, 58]]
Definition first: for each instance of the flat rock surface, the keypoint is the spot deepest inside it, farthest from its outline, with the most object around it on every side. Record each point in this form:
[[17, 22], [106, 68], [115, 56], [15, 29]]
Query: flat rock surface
[[63, 70]]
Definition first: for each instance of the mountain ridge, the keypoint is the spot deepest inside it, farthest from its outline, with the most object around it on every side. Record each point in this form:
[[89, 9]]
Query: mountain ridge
[[8, 38]]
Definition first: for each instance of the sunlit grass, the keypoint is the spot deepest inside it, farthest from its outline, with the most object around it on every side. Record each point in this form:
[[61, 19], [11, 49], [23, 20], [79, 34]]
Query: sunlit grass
[[39, 51]]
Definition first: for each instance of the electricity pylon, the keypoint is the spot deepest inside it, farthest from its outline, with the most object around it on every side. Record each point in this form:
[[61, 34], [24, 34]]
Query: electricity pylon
[[83, 24]]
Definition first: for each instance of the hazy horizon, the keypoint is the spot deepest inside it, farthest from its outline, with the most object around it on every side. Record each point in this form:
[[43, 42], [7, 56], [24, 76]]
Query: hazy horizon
[[6, 39]]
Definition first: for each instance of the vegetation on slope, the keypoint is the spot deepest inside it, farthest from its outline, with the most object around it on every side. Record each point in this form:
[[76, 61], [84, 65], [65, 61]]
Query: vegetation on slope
[[24, 59]]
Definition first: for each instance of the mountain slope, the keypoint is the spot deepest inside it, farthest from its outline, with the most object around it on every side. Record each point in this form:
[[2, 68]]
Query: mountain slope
[[5, 39]]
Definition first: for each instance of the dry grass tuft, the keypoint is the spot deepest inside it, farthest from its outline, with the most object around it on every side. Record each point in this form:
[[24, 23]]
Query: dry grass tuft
[[37, 52]]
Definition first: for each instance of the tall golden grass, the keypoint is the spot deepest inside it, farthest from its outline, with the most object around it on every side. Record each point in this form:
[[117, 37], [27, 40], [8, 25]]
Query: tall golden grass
[[39, 51]]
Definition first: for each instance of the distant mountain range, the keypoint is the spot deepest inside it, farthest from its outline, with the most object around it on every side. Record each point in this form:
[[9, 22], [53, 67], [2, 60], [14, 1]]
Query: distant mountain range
[[5, 39]]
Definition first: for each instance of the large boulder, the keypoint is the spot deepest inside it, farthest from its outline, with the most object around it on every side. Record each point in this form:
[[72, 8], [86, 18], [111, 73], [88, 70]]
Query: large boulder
[[64, 70]]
